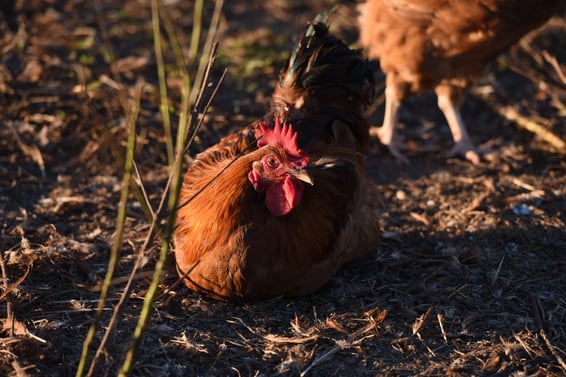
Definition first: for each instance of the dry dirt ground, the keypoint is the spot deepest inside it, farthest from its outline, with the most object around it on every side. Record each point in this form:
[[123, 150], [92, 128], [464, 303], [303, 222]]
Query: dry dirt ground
[[470, 278]]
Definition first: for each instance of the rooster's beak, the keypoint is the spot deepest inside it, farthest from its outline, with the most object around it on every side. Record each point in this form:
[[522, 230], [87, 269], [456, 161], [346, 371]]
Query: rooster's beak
[[303, 175]]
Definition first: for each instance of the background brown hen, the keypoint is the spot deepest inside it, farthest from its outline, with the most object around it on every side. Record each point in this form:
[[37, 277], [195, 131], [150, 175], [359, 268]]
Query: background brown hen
[[442, 45], [232, 241]]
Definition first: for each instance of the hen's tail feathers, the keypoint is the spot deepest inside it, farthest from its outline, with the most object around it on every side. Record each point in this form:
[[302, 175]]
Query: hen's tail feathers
[[324, 80]]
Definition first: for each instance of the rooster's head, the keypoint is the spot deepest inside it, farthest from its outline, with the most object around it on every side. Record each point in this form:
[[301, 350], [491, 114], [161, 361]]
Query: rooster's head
[[281, 170]]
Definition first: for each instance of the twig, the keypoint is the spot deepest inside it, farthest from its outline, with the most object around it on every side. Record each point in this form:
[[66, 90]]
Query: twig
[[20, 371], [478, 200], [10, 323], [123, 279], [145, 203], [9, 289], [496, 273], [553, 351], [339, 346], [198, 126], [31, 151], [210, 37], [523, 185], [513, 115], [525, 197], [5, 281], [554, 63], [351, 341], [201, 121], [246, 149], [532, 353], [457, 290], [290, 340], [440, 318], [538, 311], [20, 38], [179, 280], [123, 297], [420, 321], [420, 218]]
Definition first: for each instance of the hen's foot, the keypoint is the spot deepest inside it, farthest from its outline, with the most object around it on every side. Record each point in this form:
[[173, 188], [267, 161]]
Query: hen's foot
[[466, 150], [388, 138]]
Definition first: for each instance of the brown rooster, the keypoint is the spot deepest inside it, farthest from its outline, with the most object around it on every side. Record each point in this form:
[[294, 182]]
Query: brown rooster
[[442, 45], [283, 204]]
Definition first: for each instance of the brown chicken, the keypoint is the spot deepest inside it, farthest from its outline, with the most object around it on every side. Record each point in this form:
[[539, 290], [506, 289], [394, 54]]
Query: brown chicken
[[442, 45], [284, 203]]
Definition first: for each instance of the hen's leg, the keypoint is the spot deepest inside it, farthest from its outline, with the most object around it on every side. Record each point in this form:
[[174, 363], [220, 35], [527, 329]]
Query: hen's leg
[[387, 132], [449, 100]]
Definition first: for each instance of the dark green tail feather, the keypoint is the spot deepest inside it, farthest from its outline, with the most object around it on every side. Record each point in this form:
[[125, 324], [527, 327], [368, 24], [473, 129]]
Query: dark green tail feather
[[323, 70]]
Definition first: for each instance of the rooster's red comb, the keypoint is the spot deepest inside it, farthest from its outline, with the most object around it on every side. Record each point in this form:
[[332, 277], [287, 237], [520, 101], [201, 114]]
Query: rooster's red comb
[[282, 135], [286, 137]]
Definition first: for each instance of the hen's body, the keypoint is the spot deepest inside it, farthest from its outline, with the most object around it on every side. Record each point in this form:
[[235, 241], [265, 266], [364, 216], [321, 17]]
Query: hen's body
[[442, 45], [233, 246]]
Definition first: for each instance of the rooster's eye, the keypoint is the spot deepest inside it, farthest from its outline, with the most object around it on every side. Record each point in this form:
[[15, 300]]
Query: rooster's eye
[[272, 162]]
